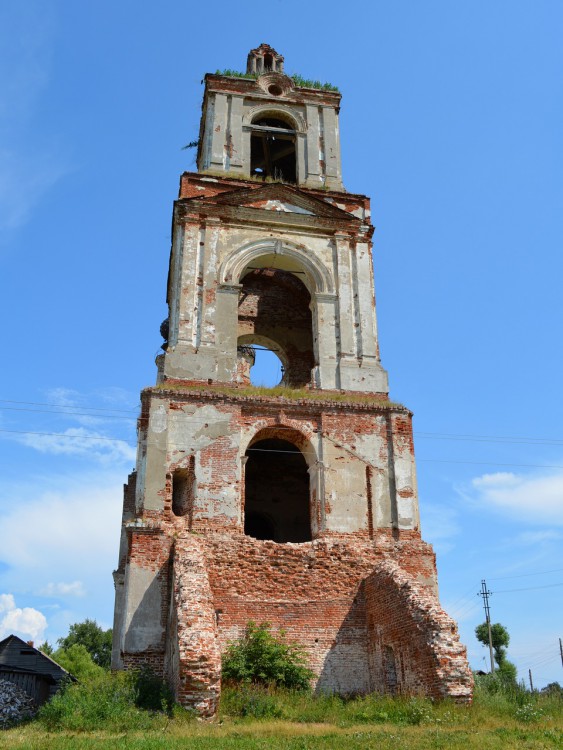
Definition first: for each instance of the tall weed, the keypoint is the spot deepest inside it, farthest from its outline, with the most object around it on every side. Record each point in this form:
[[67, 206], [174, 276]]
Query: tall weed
[[107, 701]]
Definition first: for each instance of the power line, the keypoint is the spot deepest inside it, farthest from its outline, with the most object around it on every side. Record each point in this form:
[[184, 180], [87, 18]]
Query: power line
[[525, 575], [75, 437], [488, 438], [65, 406], [269, 450], [424, 435], [489, 463], [68, 413], [530, 588]]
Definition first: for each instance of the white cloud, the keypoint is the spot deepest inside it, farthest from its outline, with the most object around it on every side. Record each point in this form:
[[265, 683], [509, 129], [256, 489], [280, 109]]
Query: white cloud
[[60, 524], [76, 588], [25, 622], [79, 441], [537, 499]]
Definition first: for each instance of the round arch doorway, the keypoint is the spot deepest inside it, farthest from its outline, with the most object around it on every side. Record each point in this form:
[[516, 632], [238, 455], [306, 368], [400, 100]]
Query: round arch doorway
[[277, 504]]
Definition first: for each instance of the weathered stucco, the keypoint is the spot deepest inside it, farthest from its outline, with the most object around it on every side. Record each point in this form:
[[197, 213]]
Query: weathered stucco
[[298, 508]]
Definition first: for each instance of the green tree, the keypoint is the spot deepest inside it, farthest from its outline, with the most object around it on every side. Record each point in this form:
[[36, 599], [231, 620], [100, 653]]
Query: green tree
[[95, 640], [499, 638], [261, 657], [46, 648], [77, 660]]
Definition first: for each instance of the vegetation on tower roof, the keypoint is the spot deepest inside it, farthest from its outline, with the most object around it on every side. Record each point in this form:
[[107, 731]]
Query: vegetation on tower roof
[[298, 80]]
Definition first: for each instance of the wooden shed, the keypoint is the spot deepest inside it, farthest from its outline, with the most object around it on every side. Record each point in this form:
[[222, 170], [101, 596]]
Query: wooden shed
[[30, 669]]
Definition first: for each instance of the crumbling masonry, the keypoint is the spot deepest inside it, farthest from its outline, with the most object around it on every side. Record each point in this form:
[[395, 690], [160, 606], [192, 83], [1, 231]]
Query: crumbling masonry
[[298, 506]]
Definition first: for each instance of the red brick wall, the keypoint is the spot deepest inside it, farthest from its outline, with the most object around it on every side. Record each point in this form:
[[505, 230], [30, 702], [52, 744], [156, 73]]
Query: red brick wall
[[406, 619]]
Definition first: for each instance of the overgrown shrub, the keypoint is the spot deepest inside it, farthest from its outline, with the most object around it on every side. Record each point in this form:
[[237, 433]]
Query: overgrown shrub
[[77, 660], [118, 701], [267, 659]]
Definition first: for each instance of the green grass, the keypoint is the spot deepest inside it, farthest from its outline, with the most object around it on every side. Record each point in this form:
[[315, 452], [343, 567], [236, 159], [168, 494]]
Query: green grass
[[254, 718], [298, 80], [280, 391]]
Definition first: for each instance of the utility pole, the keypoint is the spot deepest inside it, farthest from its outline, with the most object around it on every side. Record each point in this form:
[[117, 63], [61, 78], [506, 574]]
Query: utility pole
[[485, 594], [531, 683], [561, 651]]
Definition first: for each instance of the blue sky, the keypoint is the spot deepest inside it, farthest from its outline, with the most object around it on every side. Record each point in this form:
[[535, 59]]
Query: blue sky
[[451, 121]]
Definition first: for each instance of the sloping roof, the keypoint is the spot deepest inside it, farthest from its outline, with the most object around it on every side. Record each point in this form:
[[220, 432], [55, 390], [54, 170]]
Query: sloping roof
[[18, 655]]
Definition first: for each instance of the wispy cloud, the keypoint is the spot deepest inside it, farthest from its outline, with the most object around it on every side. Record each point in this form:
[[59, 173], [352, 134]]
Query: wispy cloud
[[96, 433], [25, 57], [24, 179], [533, 538], [31, 161], [536, 499], [78, 441], [25, 622], [439, 526], [76, 588]]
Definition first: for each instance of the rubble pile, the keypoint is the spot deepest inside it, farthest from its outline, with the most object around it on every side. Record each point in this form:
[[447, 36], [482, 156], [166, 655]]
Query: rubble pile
[[15, 704]]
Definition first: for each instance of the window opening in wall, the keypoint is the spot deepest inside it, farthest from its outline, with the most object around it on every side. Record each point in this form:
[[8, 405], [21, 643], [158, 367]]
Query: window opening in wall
[[259, 366], [275, 337], [183, 490], [277, 505], [272, 150], [267, 369]]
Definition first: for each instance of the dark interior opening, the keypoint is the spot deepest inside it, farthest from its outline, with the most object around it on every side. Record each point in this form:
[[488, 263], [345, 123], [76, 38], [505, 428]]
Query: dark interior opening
[[183, 490], [277, 492], [272, 151], [268, 62]]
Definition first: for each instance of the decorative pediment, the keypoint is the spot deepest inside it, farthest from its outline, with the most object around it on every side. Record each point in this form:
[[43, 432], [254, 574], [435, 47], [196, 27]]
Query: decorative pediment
[[280, 198]]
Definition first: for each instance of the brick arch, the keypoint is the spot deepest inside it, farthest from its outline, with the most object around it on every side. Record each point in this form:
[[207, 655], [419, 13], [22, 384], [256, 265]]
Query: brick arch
[[317, 277], [286, 431]]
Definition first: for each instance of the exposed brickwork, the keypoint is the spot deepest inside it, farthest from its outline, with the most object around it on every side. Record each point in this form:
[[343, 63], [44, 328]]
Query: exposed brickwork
[[325, 545], [194, 658], [405, 618]]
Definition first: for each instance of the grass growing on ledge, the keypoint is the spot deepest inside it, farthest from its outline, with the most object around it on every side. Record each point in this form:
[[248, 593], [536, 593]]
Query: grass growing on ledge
[[298, 80], [281, 391]]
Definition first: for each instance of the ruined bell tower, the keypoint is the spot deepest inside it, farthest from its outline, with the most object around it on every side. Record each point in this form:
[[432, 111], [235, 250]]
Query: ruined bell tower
[[295, 505]]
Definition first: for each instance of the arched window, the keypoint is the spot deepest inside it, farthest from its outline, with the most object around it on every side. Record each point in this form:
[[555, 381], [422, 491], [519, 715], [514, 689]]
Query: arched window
[[272, 149], [277, 505], [274, 313]]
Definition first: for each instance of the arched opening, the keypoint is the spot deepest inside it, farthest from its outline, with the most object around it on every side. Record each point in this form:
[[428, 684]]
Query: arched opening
[[274, 313], [272, 149], [277, 504]]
